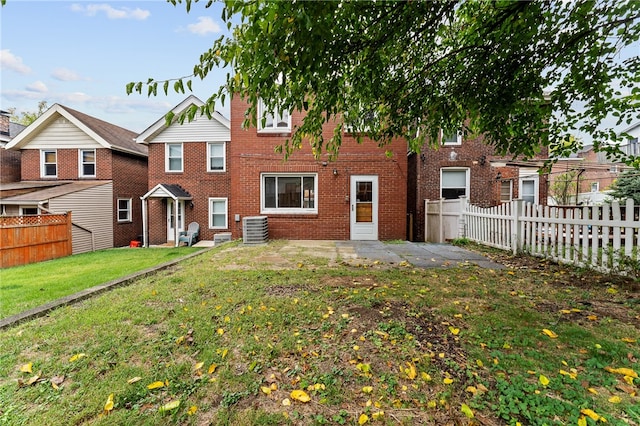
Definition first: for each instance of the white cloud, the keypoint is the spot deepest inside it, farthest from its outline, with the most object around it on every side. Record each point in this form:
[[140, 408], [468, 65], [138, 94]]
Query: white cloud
[[205, 26], [9, 61], [64, 74], [38, 87], [111, 12]]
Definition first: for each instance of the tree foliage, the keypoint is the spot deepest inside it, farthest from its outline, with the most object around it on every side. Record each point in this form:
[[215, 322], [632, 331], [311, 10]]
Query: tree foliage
[[510, 70], [27, 117], [564, 187], [627, 186]]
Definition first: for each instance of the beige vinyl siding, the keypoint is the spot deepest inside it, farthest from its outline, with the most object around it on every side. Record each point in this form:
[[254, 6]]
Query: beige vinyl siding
[[62, 134], [200, 129], [93, 210]]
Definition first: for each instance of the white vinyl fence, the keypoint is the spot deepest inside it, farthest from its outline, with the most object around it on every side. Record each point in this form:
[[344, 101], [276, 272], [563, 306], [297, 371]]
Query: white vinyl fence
[[606, 238]]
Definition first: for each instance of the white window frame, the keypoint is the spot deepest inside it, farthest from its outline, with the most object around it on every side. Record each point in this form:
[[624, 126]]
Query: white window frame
[[213, 200], [127, 210], [81, 163], [288, 210], [210, 156], [43, 163], [456, 169], [595, 187], [510, 182], [167, 151], [24, 208], [450, 143], [277, 113], [536, 189]]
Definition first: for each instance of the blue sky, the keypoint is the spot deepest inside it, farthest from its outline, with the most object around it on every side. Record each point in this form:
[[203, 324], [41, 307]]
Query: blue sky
[[82, 54]]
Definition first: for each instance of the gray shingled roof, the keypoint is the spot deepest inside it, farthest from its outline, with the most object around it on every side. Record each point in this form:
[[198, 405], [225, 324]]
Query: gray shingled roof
[[117, 136]]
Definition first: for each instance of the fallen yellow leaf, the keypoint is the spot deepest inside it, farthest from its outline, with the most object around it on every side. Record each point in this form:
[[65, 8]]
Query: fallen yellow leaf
[[134, 379], [377, 415], [192, 410], [447, 381], [77, 357], [108, 406], [624, 371], [628, 340], [212, 368], [266, 390], [286, 402], [591, 414], [615, 399], [198, 366], [300, 395], [466, 410], [582, 421], [454, 331], [549, 333], [155, 385], [411, 371], [26, 368], [543, 380], [170, 406], [363, 419], [367, 389]]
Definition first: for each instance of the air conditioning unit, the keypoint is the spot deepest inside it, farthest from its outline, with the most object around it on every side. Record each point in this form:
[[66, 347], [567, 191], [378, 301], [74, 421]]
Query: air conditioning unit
[[255, 230]]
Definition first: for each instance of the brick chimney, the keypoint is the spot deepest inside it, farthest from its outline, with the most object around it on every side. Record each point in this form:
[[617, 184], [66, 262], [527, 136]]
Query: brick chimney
[[4, 123]]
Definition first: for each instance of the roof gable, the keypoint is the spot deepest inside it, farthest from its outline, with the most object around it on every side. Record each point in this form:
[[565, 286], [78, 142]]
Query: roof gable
[[105, 134], [160, 128]]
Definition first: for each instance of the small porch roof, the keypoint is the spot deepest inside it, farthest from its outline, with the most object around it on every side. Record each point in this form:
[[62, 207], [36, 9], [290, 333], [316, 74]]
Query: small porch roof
[[168, 190]]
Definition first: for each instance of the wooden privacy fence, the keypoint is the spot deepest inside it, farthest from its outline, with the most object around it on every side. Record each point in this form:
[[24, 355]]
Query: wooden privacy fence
[[606, 238], [30, 239]]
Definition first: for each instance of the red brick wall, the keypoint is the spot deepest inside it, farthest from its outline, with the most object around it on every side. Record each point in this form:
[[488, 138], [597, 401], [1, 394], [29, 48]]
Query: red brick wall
[[196, 180], [9, 166], [252, 154], [67, 164], [130, 182], [473, 154]]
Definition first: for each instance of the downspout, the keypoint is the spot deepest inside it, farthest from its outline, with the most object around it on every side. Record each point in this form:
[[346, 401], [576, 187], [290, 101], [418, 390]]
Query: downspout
[[144, 222]]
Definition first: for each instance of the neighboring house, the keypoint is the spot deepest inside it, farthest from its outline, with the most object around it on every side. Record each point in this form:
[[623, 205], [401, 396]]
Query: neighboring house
[[74, 162], [632, 146], [9, 160], [593, 174], [362, 195], [469, 167], [189, 178]]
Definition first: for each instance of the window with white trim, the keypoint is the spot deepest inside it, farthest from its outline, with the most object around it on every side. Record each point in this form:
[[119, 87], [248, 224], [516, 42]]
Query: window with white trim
[[595, 186], [454, 138], [216, 157], [173, 153], [124, 210], [289, 193], [27, 211], [454, 183], [87, 159], [506, 191], [528, 190], [218, 217], [49, 163], [277, 121]]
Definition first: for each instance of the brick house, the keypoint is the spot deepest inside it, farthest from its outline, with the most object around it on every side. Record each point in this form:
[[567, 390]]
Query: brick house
[[71, 161], [359, 196], [189, 178], [469, 167], [9, 160]]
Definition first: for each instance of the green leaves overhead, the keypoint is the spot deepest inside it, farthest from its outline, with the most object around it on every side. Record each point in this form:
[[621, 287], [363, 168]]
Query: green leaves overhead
[[513, 71]]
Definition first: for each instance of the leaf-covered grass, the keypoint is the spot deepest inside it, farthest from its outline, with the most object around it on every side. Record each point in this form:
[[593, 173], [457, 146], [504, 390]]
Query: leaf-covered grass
[[28, 286], [232, 333]]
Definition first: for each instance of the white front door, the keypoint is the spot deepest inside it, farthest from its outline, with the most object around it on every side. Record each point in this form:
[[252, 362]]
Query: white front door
[[364, 207], [171, 219]]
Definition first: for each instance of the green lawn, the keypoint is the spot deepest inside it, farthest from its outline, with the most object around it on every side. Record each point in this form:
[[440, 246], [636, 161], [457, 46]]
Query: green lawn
[[28, 286], [281, 335]]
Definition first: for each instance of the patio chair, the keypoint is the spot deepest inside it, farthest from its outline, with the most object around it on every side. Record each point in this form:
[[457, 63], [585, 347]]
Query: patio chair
[[190, 236]]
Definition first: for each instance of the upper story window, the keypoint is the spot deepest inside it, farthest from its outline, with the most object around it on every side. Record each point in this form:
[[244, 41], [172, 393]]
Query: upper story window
[[454, 138], [595, 186], [174, 159], [278, 121], [48, 163], [87, 166], [289, 193], [216, 161], [454, 183]]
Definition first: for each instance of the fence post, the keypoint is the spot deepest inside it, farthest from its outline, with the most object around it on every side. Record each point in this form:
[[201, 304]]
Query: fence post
[[462, 221], [516, 231]]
